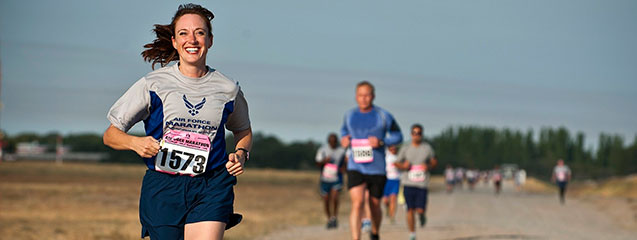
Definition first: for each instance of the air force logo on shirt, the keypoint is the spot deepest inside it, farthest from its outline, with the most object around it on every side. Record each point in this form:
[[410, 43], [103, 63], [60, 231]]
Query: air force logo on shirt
[[193, 110]]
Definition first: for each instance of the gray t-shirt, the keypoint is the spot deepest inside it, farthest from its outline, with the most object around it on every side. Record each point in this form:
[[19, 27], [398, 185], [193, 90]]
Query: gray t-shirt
[[417, 156], [166, 99], [561, 173], [336, 156]]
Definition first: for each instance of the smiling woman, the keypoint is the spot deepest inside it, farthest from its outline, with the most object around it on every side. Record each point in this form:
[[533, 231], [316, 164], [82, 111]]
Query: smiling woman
[[185, 108]]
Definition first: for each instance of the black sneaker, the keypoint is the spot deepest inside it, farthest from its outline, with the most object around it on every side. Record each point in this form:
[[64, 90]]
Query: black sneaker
[[423, 220], [234, 220], [374, 236]]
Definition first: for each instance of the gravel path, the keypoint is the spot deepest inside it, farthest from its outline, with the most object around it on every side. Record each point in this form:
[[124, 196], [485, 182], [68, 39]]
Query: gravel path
[[480, 214]]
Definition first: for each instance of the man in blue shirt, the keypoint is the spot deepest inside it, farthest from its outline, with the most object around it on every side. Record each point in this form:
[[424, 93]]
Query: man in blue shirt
[[366, 130]]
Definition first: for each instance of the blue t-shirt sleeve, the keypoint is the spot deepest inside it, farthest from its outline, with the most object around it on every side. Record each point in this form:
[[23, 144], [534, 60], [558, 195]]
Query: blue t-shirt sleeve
[[394, 136], [344, 128]]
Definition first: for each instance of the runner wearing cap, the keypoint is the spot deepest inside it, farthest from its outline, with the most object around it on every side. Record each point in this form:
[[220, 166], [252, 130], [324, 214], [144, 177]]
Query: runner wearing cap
[[416, 159]]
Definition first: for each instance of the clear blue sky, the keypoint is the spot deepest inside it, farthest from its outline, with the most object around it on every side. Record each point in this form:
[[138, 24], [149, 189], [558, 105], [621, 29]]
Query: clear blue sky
[[516, 64]]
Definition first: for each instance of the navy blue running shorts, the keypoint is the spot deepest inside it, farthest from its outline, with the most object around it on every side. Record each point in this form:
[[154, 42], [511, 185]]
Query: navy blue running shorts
[[415, 197], [169, 202]]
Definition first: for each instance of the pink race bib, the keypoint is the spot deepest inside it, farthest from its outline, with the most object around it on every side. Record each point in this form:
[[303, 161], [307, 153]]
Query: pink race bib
[[362, 151], [183, 153], [417, 173], [330, 172]]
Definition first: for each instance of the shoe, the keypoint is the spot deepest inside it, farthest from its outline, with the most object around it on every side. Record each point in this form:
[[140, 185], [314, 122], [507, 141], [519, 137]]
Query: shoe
[[332, 223], [412, 236], [423, 220], [366, 226], [373, 236], [234, 220]]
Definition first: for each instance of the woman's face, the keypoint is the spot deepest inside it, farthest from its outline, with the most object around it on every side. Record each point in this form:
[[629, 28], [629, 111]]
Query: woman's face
[[192, 40]]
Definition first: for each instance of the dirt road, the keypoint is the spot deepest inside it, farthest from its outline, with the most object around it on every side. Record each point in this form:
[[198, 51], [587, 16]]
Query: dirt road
[[480, 214]]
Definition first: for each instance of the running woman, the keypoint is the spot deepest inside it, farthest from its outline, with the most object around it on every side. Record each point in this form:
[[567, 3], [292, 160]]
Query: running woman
[[330, 158], [416, 159], [187, 191], [561, 176], [367, 129], [393, 182]]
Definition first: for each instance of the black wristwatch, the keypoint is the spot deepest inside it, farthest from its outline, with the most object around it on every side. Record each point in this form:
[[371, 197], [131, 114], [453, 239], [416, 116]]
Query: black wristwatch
[[246, 152]]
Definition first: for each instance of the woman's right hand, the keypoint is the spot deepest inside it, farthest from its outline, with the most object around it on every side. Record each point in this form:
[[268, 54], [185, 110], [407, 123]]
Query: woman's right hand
[[145, 147]]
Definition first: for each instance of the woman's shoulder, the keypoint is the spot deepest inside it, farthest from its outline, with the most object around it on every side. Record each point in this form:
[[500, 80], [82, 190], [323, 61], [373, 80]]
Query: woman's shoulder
[[220, 78]]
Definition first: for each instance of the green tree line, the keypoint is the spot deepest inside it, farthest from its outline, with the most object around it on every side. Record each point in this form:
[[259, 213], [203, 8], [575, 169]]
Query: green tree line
[[468, 147]]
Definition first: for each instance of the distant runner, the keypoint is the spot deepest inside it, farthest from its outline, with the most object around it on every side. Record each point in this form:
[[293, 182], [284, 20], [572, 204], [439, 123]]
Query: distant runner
[[367, 129], [393, 183], [330, 158], [472, 178], [496, 176], [520, 179], [416, 159], [449, 178], [561, 176], [459, 178]]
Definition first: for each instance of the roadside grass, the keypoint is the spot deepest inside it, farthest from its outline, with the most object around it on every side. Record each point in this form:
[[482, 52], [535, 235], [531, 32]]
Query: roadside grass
[[41, 200]]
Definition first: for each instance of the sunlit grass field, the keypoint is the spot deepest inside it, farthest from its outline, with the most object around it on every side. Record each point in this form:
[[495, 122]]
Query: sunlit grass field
[[43, 200], [100, 201]]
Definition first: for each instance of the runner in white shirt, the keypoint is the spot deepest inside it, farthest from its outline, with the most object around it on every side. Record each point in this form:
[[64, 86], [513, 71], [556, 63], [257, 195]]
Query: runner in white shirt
[[330, 158], [520, 179], [393, 182], [449, 178], [561, 176], [472, 178]]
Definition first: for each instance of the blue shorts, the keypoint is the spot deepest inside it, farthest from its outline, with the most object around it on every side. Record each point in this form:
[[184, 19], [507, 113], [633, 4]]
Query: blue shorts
[[415, 197], [169, 202], [391, 187], [326, 187]]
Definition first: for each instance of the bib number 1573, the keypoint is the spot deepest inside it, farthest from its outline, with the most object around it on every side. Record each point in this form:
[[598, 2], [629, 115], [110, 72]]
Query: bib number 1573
[[176, 162], [183, 153]]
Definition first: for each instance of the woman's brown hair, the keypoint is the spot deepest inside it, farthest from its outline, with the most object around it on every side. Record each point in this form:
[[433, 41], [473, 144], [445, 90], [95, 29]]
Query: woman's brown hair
[[161, 50]]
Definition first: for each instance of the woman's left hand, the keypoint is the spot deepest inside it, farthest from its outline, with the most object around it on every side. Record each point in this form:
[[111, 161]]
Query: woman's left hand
[[235, 164]]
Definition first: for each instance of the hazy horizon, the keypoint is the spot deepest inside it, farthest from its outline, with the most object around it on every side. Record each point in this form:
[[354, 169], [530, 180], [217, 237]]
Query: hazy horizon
[[502, 64]]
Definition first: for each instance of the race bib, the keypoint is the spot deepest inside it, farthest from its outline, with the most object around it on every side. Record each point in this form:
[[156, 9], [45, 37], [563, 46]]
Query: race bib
[[330, 172], [561, 176], [417, 173], [183, 153], [362, 151], [392, 172]]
